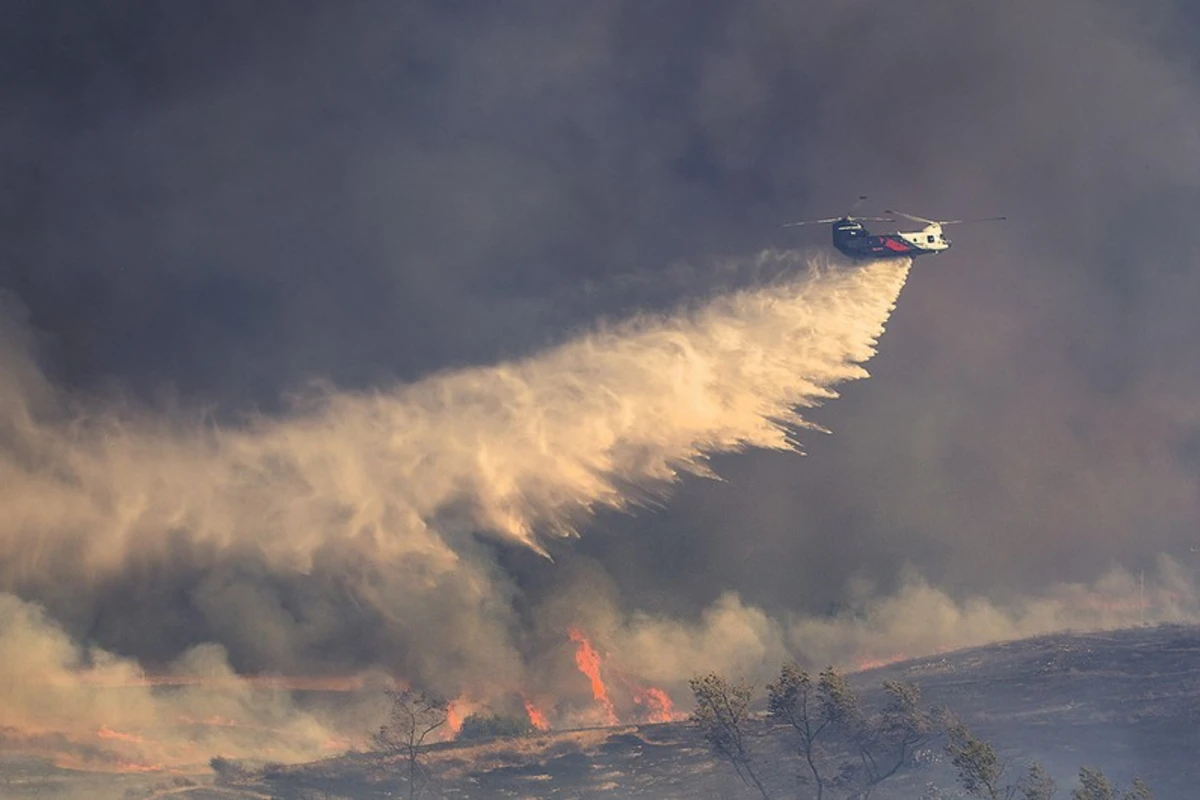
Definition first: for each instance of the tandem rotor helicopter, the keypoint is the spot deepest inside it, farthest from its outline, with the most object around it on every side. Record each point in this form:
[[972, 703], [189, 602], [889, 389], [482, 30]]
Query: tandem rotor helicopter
[[855, 241]]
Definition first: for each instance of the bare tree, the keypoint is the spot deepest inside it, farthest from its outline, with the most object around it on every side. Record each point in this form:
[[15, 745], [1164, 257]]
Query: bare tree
[[794, 700], [722, 712], [829, 721], [412, 717]]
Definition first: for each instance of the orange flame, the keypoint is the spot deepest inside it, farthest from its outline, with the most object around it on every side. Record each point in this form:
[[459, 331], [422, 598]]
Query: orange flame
[[106, 732], [215, 721], [339, 744], [116, 766], [588, 661], [865, 663], [536, 717], [130, 766], [656, 705], [454, 719]]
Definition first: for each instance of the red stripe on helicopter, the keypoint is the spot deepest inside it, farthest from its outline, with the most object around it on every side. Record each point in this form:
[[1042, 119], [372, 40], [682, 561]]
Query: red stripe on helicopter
[[897, 245]]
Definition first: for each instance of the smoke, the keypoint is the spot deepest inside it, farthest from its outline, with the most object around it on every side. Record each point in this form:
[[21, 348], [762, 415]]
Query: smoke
[[348, 539], [921, 619], [220, 205], [737, 639], [90, 708], [369, 507]]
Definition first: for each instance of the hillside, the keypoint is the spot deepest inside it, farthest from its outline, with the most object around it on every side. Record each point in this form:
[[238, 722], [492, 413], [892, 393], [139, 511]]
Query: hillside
[[1127, 701]]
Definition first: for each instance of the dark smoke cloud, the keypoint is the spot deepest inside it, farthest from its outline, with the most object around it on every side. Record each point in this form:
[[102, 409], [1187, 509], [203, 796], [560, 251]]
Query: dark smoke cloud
[[204, 209]]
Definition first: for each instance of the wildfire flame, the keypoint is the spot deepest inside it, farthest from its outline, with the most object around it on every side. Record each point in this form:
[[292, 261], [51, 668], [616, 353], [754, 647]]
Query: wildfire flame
[[536, 717], [588, 661], [656, 705], [117, 766], [457, 710], [106, 732], [865, 663]]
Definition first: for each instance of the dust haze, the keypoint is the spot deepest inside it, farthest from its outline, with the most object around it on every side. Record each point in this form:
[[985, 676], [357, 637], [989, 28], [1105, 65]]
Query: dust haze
[[386, 343]]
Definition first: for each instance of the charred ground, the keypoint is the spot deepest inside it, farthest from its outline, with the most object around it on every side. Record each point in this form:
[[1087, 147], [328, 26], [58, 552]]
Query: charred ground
[[1126, 701]]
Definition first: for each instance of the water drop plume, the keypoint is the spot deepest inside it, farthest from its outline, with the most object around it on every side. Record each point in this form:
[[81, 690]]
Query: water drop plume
[[519, 450], [343, 537]]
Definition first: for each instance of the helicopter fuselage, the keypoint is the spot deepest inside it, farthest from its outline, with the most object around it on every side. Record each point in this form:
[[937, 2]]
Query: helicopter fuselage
[[854, 240]]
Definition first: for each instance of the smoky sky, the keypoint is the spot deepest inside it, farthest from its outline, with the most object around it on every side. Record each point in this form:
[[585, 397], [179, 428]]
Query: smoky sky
[[210, 205]]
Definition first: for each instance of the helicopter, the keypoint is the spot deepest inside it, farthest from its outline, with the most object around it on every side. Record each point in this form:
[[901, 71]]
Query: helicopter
[[852, 238]]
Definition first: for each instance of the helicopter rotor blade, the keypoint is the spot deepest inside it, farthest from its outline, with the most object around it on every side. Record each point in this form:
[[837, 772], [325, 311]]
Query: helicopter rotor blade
[[828, 220], [810, 222], [976, 219], [913, 217]]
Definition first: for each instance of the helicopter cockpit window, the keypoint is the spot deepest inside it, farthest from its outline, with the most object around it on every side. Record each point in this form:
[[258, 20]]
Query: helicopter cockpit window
[[929, 238]]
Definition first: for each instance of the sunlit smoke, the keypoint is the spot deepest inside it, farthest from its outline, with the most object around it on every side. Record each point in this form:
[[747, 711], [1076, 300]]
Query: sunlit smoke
[[921, 619], [86, 707]]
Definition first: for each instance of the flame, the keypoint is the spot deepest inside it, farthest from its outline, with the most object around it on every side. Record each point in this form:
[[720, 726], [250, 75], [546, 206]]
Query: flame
[[656, 705], [588, 661], [866, 663], [457, 710], [215, 721], [106, 732], [454, 718], [79, 763], [536, 717], [340, 744], [130, 766]]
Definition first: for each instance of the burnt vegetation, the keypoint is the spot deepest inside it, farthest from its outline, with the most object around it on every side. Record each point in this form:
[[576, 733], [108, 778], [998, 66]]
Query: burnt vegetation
[[846, 751], [1061, 717], [477, 727]]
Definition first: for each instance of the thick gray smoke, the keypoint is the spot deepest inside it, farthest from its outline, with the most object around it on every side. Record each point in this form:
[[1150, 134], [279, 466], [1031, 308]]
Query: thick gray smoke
[[205, 209]]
